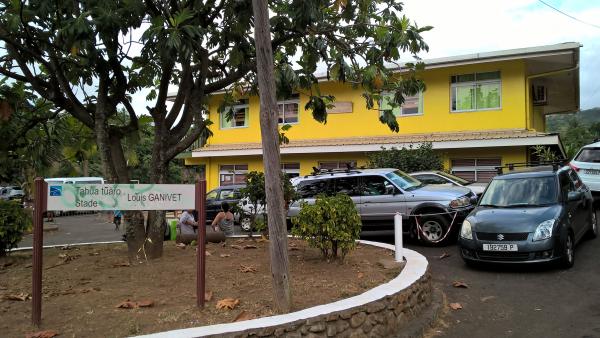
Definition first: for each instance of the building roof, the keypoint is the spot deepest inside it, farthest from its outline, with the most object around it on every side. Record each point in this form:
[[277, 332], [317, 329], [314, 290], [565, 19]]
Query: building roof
[[449, 140]]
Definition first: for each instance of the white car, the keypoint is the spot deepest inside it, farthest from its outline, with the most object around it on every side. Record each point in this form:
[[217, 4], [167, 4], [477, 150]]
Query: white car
[[587, 164], [443, 178]]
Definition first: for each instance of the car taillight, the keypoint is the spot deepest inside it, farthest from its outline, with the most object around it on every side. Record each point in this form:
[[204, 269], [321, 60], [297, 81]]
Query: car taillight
[[573, 167]]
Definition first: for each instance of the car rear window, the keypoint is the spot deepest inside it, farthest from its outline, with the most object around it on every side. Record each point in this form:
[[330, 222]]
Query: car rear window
[[588, 155]]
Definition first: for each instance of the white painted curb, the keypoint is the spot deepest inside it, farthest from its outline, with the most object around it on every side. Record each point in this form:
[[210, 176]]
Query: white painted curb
[[416, 267], [63, 245]]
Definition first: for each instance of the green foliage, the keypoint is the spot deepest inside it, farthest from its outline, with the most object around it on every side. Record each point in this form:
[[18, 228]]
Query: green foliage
[[576, 130], [332, 224], [14, 221], [408, 159], [545, 153], [255, 194]]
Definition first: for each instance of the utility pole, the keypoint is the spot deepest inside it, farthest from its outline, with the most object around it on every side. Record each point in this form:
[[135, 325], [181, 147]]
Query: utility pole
[[270, 145]]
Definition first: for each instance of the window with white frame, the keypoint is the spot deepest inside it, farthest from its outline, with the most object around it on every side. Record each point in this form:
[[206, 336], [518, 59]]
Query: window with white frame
[[239, 116], [476, 91], [337, 165], [475, 169], [291, 169], [288, 110], [413, 105], [230, 174]]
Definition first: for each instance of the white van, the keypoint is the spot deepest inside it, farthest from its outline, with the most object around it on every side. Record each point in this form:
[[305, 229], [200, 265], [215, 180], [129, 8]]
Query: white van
[[75, 180]]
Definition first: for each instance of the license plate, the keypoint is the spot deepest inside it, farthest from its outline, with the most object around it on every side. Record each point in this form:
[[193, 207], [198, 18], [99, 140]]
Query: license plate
[[500, 247], [591, 171]]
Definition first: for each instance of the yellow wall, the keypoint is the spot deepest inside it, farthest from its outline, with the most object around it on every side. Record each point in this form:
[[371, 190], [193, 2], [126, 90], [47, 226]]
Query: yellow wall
[[307, 161], [363, 122]]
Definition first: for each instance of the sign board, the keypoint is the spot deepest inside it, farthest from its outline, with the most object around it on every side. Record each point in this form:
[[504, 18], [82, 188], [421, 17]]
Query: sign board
[[85, 197], [340, 107]]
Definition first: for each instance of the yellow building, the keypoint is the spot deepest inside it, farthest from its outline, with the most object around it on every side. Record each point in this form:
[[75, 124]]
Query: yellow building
[[479, 111]]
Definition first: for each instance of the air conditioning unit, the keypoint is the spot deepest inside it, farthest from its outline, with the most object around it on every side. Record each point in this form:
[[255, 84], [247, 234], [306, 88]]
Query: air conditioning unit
[[539, 94]]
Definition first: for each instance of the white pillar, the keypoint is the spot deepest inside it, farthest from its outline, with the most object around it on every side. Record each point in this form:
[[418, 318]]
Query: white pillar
[[398, 237]]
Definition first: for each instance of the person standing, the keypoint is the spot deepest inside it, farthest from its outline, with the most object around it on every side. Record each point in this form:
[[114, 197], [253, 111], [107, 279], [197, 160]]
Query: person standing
[[117, 216]]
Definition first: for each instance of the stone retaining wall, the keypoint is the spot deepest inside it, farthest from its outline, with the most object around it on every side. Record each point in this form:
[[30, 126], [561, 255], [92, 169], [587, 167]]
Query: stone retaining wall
[[382, 318], [379, 312]]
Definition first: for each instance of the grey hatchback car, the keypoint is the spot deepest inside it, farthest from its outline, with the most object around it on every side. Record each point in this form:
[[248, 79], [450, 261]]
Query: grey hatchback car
[[529, 216], [380, 193]]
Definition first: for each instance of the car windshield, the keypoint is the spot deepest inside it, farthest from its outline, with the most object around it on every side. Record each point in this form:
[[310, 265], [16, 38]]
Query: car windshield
[[403, 180], [588, 155], [456, 179], [521, 192]]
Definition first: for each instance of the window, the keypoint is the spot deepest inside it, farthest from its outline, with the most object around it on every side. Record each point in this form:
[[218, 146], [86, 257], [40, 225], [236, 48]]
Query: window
[[377, 185], [477, 91], [291, 169], [337, 165], [346, 185], [239, 118], [588, 155], [310, 189], [229, 194], [233, 174], [475, 169], [288, 110], [212, 195], [431, 179], [413, 105], [518, 191]]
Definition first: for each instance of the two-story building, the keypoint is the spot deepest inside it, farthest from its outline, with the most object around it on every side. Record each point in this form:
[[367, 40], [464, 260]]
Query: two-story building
[[479, 111]]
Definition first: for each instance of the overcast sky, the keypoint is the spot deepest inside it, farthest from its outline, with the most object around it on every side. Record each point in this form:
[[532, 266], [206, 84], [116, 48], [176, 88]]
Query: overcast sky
[[469, 26]]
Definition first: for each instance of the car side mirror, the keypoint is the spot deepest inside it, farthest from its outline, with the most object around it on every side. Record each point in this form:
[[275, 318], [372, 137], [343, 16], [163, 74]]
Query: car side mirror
[[474, 199], [574, 196]]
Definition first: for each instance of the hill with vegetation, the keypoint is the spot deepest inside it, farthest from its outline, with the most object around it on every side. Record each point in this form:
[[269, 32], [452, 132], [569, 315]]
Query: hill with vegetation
[[576, 129]]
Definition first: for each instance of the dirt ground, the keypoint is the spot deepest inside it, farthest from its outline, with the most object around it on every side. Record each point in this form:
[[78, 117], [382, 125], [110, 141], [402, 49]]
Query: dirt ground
[[83, 286]]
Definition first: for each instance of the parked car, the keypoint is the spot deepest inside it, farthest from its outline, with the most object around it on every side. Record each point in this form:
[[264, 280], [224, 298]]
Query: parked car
[[529, 216], [443, 178], [11, 193], [587, 165], [214, 198], [380, 193]]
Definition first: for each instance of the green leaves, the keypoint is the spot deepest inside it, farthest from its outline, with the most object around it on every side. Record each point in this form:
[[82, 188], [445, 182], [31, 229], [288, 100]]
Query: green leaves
[[14, 221], [408, 159], [319, 105]]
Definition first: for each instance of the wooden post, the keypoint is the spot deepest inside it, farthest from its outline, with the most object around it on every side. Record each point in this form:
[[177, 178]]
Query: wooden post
[[270, 145], [38, 239], [201, 252]]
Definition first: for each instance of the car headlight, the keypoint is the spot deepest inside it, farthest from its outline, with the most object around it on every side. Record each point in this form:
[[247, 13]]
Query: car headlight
[[544, 230], [462, 201], [465, 231]]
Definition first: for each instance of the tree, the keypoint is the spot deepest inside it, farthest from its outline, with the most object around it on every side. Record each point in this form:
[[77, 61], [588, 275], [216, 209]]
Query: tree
[[82, 57], [408, 159]]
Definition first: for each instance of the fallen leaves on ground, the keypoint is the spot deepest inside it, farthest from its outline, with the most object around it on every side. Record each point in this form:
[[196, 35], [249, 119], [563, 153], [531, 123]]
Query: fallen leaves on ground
[[128, 304], [459, 284], [234, 246], [247, 268], [7, 264], [180, 245], [455, 306], [42, 334], [145, 303], [121, 264], [262, 239], [93, 253], [224, 255], [444, 255], [207, 253], [250, 246], [208, 296], [486, 298], [360, 275], [227, 303], [19, 297], [244, 315]]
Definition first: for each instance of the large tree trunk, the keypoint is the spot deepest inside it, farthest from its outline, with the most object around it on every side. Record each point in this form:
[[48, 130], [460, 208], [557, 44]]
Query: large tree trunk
[[270, 144], [156, 219]]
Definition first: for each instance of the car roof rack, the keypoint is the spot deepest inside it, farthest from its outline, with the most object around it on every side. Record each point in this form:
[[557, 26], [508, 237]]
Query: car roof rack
[[556, 164], [319, 171]]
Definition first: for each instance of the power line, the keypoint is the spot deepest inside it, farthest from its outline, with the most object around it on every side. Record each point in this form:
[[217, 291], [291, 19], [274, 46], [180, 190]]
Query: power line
[[568, 15]]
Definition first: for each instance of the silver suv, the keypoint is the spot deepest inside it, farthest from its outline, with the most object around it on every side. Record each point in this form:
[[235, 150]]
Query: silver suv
[[380, 193]]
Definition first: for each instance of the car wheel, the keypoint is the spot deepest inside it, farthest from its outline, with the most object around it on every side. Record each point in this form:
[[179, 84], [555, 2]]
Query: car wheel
[[593, 232], [433, 229], [246, 223], [568, 257]]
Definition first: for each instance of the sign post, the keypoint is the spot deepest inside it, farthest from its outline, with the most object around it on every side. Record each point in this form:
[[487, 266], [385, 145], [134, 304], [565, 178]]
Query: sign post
[[38, 239], [96, 197], [201, 252]]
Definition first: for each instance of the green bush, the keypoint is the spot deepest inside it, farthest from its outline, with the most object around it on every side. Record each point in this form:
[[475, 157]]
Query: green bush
[[14, 221], [407, 159], [331, 224]]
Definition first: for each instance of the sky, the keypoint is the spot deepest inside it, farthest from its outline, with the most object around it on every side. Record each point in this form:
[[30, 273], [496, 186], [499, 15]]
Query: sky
[[470, 26]]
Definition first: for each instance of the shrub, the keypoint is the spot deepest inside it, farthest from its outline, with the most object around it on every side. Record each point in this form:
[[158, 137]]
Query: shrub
[[14, 221], [331, 224], [407, 159]]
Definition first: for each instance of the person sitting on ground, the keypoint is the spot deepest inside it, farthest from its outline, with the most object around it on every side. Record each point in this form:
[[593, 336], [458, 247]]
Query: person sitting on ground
[[185, 228], [224, 220]]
